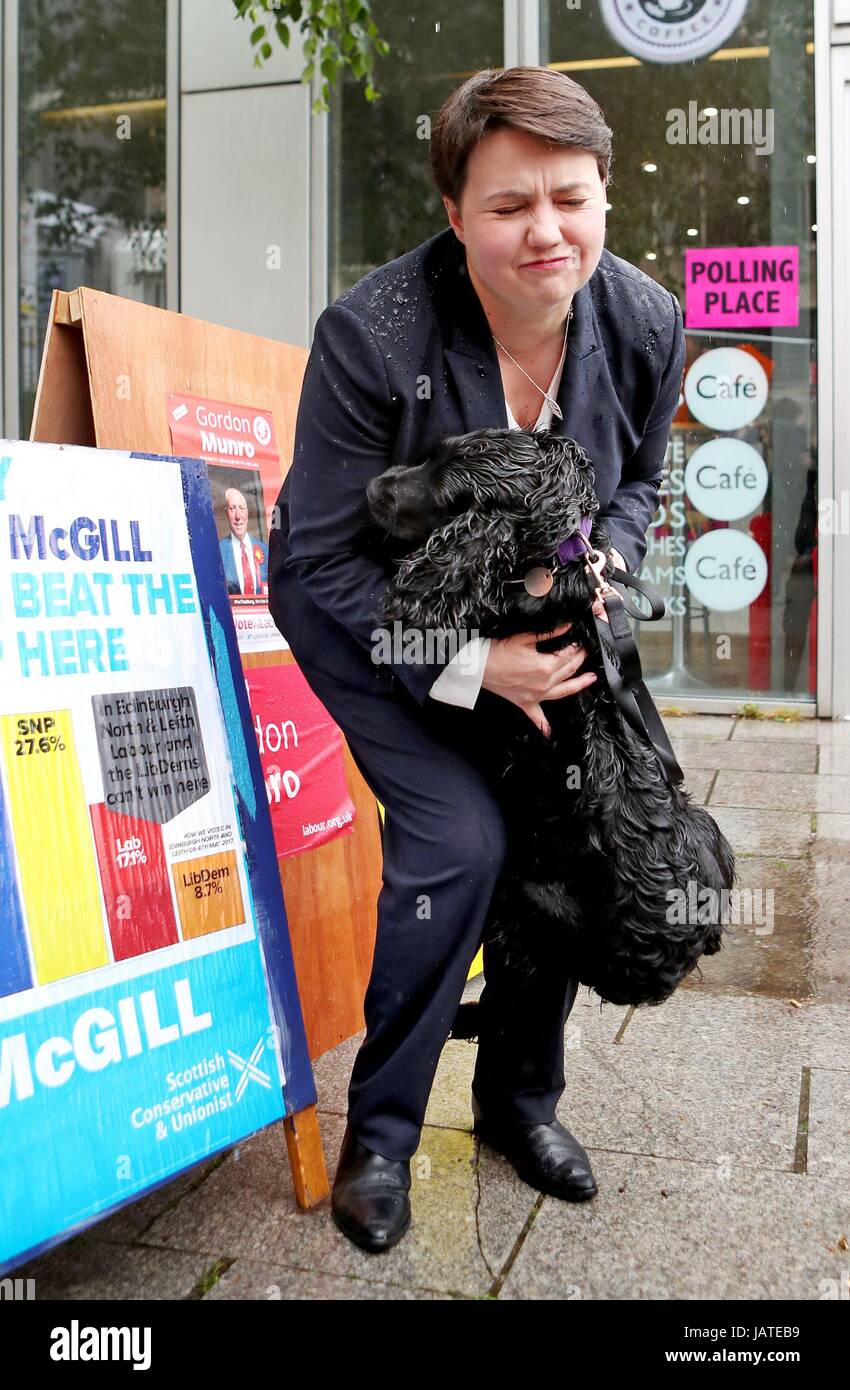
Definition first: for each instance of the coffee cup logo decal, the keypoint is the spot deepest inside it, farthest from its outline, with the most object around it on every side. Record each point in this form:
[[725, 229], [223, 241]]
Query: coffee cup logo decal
[[672, 31]]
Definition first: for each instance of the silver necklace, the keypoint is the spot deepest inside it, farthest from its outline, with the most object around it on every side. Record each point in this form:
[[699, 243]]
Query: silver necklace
[[556, 409]]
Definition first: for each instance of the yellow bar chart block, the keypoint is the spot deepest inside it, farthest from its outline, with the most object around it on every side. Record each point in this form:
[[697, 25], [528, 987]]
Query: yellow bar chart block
[[53, 843]]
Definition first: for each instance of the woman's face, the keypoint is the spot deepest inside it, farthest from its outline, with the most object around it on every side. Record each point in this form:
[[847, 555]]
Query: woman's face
[[532, 219]]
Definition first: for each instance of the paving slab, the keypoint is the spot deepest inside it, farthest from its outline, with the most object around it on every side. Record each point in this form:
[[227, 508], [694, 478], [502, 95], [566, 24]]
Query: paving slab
[[833, 731], [698, 782], [783, 791], [449, 1104], [246, 1210], [834, 759], [699, 726], [752, 831], [671, 1103], [741, 1031], [828, 1129], [769, 942], [662, 1229], [250, 1281], [755, 755], [776, 730], [829, 948], [834, 825], [87, 1269], [332, 1072]]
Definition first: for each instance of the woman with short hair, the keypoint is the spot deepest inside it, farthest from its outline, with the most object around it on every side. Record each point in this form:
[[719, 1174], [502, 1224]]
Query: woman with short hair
[[514, 316]]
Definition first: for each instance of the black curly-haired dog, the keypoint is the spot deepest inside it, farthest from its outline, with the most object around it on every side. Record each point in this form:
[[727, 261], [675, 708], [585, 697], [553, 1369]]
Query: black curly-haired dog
[[610, 865]]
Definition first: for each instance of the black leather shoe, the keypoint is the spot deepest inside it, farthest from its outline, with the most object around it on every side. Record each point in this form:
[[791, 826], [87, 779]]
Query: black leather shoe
[[369, 1197], [547, 1157]]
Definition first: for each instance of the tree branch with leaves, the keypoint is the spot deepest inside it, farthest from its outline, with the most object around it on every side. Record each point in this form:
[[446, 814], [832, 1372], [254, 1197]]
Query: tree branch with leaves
[[336, 36]]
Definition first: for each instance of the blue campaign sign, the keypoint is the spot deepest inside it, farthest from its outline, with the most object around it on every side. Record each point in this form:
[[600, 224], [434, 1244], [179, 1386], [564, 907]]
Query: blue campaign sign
[[149, 1013]]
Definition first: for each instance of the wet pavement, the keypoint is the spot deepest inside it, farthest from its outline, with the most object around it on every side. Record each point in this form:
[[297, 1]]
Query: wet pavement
[[718, 1125]]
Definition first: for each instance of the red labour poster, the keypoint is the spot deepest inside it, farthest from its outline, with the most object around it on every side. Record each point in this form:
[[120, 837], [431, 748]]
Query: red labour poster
[[301, 753]]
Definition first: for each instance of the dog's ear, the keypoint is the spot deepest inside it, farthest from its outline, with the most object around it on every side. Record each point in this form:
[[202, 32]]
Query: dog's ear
[[453, 580]]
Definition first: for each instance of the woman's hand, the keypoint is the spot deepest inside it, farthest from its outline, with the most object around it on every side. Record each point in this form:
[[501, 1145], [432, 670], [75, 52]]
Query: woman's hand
[[517, 671]]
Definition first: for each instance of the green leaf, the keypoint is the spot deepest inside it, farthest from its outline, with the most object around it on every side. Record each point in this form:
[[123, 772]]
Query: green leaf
[[337, 36]]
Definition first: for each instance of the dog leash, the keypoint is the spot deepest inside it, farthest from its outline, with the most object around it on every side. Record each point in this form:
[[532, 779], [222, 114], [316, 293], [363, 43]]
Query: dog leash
[[627, 684]]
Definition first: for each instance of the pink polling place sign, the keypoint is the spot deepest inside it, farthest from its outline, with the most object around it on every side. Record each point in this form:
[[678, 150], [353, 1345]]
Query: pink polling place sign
[[742, 287]]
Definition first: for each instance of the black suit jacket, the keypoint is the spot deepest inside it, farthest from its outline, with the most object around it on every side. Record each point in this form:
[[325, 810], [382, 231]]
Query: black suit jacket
[[406, 357]]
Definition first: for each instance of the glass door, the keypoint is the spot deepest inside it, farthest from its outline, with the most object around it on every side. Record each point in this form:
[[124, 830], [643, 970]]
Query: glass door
[[713, 195]]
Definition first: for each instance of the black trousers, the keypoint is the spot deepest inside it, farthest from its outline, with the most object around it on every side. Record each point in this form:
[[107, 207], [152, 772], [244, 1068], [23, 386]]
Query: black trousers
[[443, 849]]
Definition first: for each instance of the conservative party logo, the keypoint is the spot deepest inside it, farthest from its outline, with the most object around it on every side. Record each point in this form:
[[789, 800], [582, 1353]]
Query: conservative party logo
[[672, 31]]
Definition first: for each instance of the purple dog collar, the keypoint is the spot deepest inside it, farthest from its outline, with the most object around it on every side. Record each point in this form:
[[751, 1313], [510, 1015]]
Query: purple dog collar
[[572, 548], [539, 579]]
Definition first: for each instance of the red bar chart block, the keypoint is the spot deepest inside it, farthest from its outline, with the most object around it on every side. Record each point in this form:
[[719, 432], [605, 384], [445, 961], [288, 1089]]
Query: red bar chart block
[[135, 881]]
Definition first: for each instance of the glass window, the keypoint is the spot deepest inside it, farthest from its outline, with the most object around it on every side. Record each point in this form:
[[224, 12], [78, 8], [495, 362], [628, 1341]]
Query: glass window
[[713, 195], [92, 159], [381, 197]]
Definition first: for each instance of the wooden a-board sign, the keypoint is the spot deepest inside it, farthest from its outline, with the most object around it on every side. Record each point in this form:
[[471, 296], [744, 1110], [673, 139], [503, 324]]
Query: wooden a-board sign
[[107, 369]]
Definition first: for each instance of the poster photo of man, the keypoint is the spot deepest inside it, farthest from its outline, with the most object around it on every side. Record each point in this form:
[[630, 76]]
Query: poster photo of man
[[238, 443], [244, 553]]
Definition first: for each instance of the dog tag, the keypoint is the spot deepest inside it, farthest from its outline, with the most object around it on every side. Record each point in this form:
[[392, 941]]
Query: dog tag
[[538, 581]]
